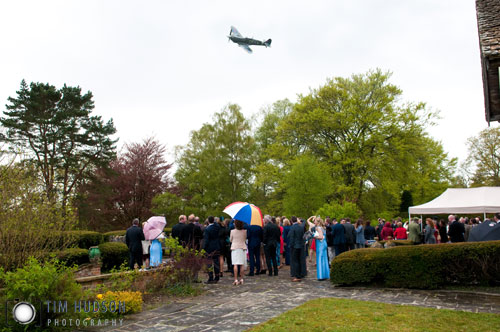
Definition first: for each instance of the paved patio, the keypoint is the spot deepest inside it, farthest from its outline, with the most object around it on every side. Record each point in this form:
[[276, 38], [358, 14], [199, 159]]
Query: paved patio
[[225, 307]]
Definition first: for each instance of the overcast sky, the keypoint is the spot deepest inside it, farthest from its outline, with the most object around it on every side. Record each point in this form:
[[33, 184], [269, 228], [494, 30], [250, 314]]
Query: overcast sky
[[164, 67]]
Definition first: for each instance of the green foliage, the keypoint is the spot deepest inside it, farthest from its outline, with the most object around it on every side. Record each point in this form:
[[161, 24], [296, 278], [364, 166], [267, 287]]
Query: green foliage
[[122, 279], [374, 145], [113, 255], [215, 168], [56, 128], [35, 281], [73, 256], [30, 225], [114, 233], [38, 282], [406, 202], [306, 186], [339, 211], [169, 205], [268, 191], [84, 239], [422, 266], [484, 155]]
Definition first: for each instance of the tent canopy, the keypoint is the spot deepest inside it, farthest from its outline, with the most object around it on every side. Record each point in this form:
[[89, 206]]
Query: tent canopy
[[462, 200]]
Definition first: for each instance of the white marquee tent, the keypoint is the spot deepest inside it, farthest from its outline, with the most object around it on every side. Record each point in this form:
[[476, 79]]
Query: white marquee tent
[[462, 200]]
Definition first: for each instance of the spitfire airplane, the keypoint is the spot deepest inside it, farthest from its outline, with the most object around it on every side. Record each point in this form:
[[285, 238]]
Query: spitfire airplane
[[243, 42]]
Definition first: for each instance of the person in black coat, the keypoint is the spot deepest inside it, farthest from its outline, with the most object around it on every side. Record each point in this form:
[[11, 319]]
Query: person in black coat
[[211, 245], [255, 235], [350, 234], [456, 230], [191, 234], [271, 239], [178, 230], [370, 232], [338, 233], [133, 239], [296, 242]]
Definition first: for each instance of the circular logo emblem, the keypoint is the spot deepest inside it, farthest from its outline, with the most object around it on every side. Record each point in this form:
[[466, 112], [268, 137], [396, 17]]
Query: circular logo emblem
[[24, 313]]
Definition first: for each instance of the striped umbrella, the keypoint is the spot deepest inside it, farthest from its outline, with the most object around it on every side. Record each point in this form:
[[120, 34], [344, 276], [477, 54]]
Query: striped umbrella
[[246, 212]]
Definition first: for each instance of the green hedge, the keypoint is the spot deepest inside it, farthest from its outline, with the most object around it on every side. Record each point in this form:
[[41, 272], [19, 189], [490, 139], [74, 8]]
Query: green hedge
[[422, 266], [113, 254], [72, 256], [115, 233], [83, 239]]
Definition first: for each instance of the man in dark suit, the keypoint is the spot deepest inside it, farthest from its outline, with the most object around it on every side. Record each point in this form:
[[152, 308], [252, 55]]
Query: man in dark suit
[[254, 236], [133, 239], [178, 230], [296, 241], [456, 230], [271, 239], [350, 234], [211, 245], [338, 234], [192, 234]]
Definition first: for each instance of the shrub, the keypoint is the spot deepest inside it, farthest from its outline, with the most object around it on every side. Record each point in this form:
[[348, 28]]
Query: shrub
[[132, 300], [113, 254], [27, 219], [108, 235], [84, 239], [50, 281], [73, 256], [422, 266], [35, 281], [178, 277]]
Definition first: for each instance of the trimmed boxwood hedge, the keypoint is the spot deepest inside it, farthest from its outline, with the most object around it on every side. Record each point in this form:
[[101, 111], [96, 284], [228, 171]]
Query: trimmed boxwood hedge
[[72, 256], [124, 231], [115, 233], [84, 239], [113, 254], [422, 266]]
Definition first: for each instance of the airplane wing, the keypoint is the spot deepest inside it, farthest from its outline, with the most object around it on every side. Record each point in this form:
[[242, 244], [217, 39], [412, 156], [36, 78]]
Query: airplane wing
[[235, 32], [246, 48]]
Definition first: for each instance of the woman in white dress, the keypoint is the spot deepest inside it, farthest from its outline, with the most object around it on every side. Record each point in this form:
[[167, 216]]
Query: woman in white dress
[[238, 238]]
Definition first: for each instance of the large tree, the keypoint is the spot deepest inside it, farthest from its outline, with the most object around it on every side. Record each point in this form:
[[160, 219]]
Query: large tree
[[306, 186], [374, 145], [484, 158], [268, 190], [215, 167], [125, 190], [56, 129]]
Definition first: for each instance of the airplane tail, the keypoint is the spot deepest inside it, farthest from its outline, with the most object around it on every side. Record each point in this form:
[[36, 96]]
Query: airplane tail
[[267, 43]]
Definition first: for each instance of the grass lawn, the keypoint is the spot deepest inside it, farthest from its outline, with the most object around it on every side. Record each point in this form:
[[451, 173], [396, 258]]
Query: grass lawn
[[332, 314]]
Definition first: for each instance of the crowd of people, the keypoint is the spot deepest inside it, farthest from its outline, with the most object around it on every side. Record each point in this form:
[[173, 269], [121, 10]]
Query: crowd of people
[[290, 242]]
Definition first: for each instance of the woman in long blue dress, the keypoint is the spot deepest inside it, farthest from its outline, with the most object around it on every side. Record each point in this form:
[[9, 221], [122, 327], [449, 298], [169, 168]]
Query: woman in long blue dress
[[322, 266]]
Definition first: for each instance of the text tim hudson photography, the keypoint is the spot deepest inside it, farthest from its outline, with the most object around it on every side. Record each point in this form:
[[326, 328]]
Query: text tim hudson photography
[[26, 313]]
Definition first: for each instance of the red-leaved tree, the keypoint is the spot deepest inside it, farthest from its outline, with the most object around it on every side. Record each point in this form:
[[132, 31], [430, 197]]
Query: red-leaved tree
[[124, 191]]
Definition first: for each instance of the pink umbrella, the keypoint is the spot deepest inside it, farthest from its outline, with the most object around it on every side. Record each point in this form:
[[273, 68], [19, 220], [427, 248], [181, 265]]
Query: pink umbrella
[[154, 227]]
